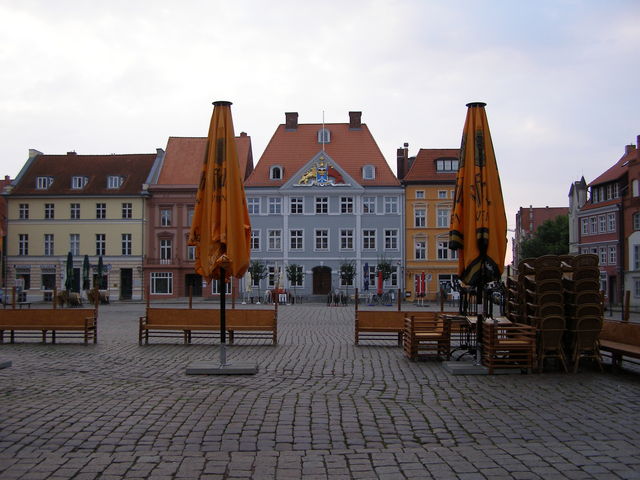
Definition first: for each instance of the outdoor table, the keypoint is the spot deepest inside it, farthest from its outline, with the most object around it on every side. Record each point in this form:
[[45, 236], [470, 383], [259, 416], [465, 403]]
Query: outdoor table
[[471, 334]]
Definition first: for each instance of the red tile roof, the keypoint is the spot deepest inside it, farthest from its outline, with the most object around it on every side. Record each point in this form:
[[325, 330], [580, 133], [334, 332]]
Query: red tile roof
[[134, 168], [617, 170], [184, 156], [424, 165], [351, 149]]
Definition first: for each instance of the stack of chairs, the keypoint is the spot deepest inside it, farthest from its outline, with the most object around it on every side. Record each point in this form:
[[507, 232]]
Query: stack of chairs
[[584, 308]]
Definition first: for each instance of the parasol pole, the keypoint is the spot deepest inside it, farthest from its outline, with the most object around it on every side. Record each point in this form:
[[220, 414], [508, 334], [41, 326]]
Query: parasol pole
[[223, 321]]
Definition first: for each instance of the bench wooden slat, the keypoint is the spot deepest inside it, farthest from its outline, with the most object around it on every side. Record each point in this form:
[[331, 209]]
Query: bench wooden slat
[[80, 320]]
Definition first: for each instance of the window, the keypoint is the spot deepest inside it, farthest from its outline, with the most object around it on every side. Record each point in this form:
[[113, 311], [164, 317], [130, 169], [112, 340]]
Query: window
[[603, 281], [275, 173], [616, 190], [78, 182], [49, 211], [346, 204], [636, 257], [444, 217], [443, 251], [114, 181], [346, 239], [369, 239], [190, 212], [448, 165], [611, 222], [296, 239], [48, 244], [101, 242], [165, 217], [296, 205], [253, 205], [24, 211], [42, 183], [419, 217], [636, 287], [271, 276], [74, 243], [162, 283], [255, 239], [585, 226], [420, 250], [391, 239], [215, 288], [368, 204], [191, 253], [369, 172], [391, 205], [101, 210], [603, 255], [613, 257], [74, 211], [23, 244], [127, 210], [275, 205], [321, 239], [274, 239], [635, 187], [636, 221], [48, 281], [322, 205], [442, 194], [126, 244], [324, 135], [166, 247], [419, 193], [593, 221], [297, 282], [602, 223]]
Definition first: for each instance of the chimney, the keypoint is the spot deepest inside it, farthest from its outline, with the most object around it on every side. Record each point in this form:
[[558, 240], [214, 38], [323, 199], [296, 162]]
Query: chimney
[[72, 153], [402, 159], [291, 120], [355, 120], [629, 148], [243, 134]]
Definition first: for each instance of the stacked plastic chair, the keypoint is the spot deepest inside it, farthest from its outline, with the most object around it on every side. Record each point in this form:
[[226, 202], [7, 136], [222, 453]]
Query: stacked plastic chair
[[583, 308]]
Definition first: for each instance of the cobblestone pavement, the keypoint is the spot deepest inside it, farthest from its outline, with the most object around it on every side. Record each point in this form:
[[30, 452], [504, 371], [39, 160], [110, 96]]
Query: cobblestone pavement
[[320, 407]]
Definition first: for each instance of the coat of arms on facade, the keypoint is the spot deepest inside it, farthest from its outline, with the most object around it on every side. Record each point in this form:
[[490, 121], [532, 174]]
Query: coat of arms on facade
[[322, 173]]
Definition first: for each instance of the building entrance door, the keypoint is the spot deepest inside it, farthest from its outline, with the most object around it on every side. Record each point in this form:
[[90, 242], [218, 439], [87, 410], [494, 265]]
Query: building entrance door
[[321, 280], [126, 283]]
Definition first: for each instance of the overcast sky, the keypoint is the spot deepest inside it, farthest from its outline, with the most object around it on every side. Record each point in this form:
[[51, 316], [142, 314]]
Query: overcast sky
[[560, 77]]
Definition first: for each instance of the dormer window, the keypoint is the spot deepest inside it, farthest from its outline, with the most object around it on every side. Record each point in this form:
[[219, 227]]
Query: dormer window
[[324, 135], [78, 182], [42, 183], [369, 172], [447, 165], [275, 173], [114, 181]]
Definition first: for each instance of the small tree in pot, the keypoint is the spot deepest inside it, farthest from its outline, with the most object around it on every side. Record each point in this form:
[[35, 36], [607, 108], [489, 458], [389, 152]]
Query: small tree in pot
[[295, 274]]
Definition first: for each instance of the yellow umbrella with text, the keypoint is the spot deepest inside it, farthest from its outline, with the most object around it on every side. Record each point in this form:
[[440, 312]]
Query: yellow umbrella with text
[[478, 223], [221, 229]]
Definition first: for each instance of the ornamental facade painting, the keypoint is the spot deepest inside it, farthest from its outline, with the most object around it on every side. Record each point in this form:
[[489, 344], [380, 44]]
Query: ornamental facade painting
[[320, 174]]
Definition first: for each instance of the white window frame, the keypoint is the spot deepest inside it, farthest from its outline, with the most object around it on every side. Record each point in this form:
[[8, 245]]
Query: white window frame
[[101, 211], [346, 205], [369, 239], [274, 240], [603, 255], [324, 135], [636, 221], [321, 235], [391, 239], [43, 183], [611, 222], [368, 172], [49, 211], [347, 239], [255, 240], [602, 223], [420, 249], [166, 250], [636, 257], [420, 216], [23, 244], [442, 194], [215, 288], [321, 205], [191, 253], [101, 244], [157, 280], [296, 205], [391, 205], [74, 243], [300, 282], [78, 182], [275, 206], [593, 225], [165, 217], [127, 210], [636, 287], [114, 181], [296, 239], [443, 218], [613, 255], [74, 211], [369, 205], [23, 211], [276, 172], [127, 244], [48, 244], [253, 205], [584, 222], [420, 194]]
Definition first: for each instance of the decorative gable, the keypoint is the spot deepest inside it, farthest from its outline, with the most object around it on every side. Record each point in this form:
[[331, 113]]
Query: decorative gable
[[321, 171]]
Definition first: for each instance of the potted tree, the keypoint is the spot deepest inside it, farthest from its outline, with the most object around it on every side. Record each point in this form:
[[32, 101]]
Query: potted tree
[[347, 273], [258, 271], [295, 274], [384, 269]]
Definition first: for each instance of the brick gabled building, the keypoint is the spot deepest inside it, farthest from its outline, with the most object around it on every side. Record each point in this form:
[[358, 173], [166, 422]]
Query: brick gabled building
[[429, 180], [527, 222], [84, 204], [169, 262], [322, 195]]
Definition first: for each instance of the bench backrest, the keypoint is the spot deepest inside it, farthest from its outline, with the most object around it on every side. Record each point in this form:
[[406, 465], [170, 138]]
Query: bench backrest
[[386, 318], [622, 332], [208, 317], [427, 322], [46, 317]]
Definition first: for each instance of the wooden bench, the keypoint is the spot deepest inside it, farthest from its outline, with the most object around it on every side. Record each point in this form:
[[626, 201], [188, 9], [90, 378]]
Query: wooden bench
[[427, 334], [377, 325], [184, 322], [73, 322], [620, 339], [508, 346]]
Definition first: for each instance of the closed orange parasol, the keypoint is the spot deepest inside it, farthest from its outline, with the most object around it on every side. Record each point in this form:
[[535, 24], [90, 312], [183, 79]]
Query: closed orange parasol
[[221, 229], [478, 223]]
